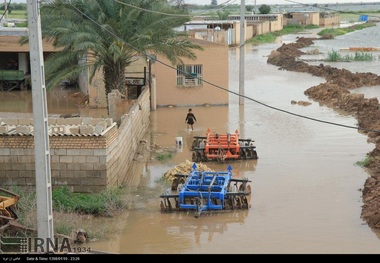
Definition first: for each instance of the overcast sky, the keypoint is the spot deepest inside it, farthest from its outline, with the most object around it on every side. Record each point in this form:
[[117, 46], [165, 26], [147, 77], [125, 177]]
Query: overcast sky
[[272, 2], [260, 2]]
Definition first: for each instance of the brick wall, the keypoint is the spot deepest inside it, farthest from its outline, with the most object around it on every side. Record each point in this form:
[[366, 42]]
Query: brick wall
[[89, 162]]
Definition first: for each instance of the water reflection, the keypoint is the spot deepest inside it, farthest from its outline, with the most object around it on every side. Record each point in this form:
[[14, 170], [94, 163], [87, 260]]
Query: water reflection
[[204, 229]]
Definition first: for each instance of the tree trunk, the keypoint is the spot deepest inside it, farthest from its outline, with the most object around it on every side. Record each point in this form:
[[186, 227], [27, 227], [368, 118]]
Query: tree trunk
[[114, 77]]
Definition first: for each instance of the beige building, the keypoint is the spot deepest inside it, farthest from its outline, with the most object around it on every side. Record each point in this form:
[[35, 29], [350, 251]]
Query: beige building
[[206, 81], [329, 19], [321, 19], [258, 24], [228, 31], [302, 18]]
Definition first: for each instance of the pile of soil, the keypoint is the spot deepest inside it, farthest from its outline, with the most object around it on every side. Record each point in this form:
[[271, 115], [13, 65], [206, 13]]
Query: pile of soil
[[335, 93]]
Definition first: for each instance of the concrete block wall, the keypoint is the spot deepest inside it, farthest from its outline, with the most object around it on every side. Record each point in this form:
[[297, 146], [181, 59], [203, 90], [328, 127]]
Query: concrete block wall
[[132, 130], [89, 163]]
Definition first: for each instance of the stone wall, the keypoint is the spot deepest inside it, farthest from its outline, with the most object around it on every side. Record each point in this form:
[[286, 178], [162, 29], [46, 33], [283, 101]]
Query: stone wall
[[87, 154]]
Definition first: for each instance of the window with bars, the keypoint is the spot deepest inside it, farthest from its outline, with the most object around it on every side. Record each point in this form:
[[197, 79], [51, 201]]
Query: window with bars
[[189, 75]]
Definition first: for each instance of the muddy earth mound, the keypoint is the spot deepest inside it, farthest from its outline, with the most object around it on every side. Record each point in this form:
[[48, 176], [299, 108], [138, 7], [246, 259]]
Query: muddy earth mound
[[335, 93]]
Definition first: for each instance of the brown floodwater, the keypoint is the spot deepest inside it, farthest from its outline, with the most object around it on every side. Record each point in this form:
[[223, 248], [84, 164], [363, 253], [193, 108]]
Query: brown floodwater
[[306, 186]]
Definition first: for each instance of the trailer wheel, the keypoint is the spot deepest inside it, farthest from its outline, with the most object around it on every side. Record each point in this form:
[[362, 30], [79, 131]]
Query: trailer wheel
[[246, 188], [194, 144], [21, 85], [194, 157], [175, 184], [199, 156], [242, 154]]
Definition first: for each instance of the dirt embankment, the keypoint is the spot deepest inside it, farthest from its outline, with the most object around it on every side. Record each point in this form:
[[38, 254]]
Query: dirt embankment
[[335, 93]]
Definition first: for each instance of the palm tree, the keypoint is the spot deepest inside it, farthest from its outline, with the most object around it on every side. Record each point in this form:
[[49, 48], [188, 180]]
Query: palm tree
[[108, 34]]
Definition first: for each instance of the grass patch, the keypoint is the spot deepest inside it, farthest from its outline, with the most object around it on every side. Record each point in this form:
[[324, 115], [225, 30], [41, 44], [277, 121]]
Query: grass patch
[[17, 14], [342, 31], [72, 211], [164, 156], [271, 37], [95, 204], [365, 162], [361, 56], [334, 56]]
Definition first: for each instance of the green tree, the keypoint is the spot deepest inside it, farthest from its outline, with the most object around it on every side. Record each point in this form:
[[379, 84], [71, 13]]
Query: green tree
[[107, 35], [9, 8], [223, 15], [214, 2], [249, 8], [179, 4], [264, 9]]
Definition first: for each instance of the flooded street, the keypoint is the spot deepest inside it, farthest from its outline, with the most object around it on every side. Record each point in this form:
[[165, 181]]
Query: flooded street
[[306, 186]]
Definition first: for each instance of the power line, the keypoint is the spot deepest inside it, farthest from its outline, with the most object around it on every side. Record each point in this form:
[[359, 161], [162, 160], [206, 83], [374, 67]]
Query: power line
[[150, 11], [5, 9], [327, 8], [220, 87]]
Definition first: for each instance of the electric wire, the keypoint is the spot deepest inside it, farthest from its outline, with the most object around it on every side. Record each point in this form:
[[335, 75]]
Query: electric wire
[[5, 9], [220, 87], [327, 8]]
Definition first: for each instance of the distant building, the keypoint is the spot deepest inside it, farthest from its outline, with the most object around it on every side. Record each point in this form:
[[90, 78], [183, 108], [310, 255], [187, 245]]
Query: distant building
[[228, 31], [322, 19], [301, 18]]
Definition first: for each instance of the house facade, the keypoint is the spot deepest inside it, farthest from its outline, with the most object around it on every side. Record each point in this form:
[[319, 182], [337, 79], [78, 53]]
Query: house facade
[[329, 19], [302, 18], [199, 82]]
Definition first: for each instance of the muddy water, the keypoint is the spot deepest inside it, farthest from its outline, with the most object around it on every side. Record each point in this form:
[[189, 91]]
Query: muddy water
[[306, 188], [60, 101]]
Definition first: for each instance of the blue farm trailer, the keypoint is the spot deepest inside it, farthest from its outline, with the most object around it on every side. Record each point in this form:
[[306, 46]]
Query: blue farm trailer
[[206, 191]]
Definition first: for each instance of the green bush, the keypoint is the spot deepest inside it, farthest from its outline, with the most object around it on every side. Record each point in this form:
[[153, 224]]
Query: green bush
[[164, 156], [365, 162], [334, 56], [84, 203]]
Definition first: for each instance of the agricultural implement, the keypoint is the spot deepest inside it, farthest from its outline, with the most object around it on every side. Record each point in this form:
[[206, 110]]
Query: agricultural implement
[[12, 79], [222, 147], [206, 191], [7, 206]]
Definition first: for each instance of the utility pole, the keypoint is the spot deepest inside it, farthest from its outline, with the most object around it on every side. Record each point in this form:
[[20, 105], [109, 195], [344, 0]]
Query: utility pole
[[242, 40], [6, 9], [41, 135]]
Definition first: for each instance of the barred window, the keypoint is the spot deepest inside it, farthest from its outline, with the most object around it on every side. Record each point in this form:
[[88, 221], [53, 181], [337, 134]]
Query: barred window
[[189, 75]]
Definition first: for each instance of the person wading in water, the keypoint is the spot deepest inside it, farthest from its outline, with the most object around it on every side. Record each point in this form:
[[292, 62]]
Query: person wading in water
[[190, 119]]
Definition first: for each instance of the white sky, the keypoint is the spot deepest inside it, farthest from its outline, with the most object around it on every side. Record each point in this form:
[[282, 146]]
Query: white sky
[[282, 2], [261, 2]]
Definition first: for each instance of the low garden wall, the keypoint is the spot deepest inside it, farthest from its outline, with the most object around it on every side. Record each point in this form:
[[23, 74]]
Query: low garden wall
[[87, 154]]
